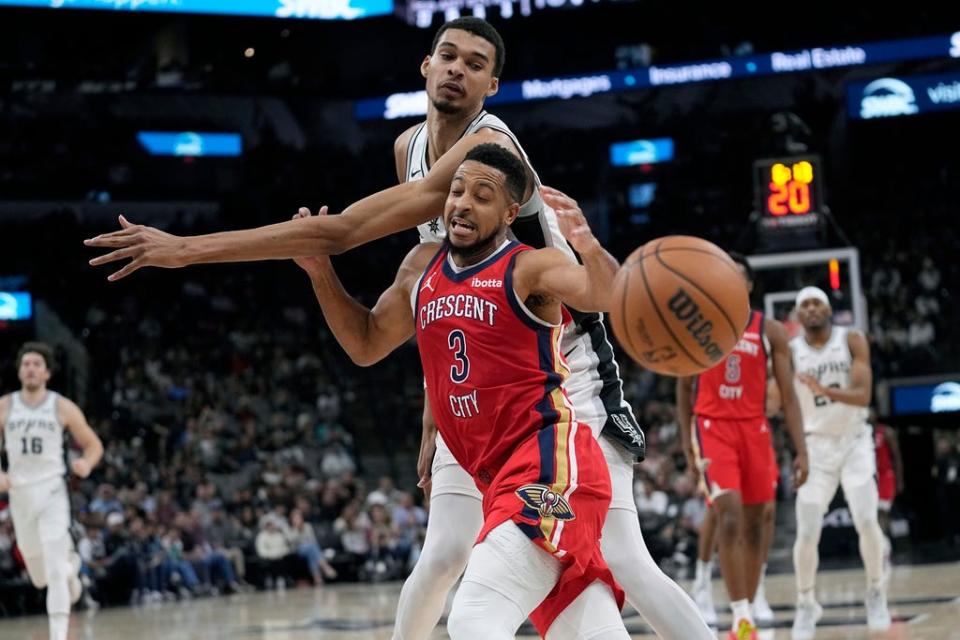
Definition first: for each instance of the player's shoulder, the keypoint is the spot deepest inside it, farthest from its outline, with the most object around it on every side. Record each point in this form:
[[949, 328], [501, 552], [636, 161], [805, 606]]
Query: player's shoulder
[[5, 401], [420, 255], [403, 140], [856, 339], [400, 147]]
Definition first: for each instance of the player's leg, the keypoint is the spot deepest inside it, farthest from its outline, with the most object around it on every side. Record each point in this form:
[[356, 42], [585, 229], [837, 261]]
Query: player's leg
[[664, 605], [703, 578], [758, 489], [813, 498], [761, 608], [506, 578], [53, 526], [456, 517], [860, 491], [592, 616], [720, 444]]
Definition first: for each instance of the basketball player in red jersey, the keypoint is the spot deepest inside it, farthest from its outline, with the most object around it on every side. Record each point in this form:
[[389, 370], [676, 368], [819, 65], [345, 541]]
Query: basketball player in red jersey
[[733, 449], [461, 71], [488, 313], [702, 590], [889, 476]]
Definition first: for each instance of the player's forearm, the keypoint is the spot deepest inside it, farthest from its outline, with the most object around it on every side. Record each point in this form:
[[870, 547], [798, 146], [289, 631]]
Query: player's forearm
[[317, 235], [348, 319], [856, 396], [794, 421], [684, 413], [93, 452], [601, 269]]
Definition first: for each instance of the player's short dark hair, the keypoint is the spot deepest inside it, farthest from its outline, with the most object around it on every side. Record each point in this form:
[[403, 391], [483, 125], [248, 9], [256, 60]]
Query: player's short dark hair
[[493, 155], [741, 260], [477, 27], [43, 349]]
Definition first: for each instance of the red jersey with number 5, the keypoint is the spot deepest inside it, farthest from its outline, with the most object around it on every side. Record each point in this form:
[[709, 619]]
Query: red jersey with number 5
[[737, 386], [493, 370]]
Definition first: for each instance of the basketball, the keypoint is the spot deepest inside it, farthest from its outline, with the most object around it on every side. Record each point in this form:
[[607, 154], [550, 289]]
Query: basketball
[[680, 304]]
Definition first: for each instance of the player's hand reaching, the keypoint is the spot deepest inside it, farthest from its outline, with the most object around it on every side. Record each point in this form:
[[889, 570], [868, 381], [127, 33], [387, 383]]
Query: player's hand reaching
[[812, 383], [81, 467], [801, 469], [573, 225], [145, 246], [4, 482], [310, 263]]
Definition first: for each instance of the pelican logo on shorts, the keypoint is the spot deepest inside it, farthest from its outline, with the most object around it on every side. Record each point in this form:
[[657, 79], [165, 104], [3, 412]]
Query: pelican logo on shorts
[[546, 502], [685, 309]]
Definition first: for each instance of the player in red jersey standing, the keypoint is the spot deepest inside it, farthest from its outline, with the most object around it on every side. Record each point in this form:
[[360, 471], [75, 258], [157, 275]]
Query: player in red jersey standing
[[889, 478], [733, 451], [488, 314]]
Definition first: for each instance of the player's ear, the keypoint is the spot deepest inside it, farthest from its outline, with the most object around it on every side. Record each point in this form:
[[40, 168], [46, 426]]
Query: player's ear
[[424, 66], [494, 87], [512, 211]]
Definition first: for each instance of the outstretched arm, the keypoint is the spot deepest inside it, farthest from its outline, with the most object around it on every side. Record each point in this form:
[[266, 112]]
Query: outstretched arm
[[72, 417], [369, 335], [550, 272], [381, 214], [684, 392], [783, 372]]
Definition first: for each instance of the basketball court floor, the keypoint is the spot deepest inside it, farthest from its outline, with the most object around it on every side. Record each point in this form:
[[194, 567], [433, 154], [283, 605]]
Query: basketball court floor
[[924, 601]]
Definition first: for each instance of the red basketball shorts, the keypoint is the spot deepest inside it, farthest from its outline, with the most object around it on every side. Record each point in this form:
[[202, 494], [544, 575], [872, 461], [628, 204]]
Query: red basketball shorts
[[556, 488], [736, 455]]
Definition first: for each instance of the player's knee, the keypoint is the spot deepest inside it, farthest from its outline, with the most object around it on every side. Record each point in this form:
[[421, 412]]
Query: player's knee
[[37, 572], [446, 561], [809, 522], [466, 624], [753, 532], [729, 522]]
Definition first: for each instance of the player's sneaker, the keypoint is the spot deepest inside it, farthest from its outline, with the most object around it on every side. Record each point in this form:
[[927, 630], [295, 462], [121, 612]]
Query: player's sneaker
[[761, 608], [743, 630], [703, 596], [73, 581], [878, 615], [805, 622]]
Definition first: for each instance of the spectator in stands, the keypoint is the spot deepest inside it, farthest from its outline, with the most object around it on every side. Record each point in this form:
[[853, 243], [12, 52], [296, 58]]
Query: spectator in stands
[[353, 527], [273, 549], [304, 542], [106, 500]]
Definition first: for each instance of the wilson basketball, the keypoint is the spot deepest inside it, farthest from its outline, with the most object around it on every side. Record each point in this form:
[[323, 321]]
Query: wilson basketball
[[680, 305]]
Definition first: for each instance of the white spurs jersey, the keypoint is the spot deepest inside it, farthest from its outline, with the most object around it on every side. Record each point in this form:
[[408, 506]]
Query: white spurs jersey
[[33, 438], [535, 207], [594, 385], [830, 365]]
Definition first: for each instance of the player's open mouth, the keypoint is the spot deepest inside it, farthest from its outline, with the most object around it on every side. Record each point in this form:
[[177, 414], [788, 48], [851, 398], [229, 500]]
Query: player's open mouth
[[459, 224]]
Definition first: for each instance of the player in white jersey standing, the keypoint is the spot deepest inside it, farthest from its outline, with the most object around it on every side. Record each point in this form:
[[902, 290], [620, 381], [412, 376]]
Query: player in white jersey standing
[[33, 421], [834, 386], [461, 71]]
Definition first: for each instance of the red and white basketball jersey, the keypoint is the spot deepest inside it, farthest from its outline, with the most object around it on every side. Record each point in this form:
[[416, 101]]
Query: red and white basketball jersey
[[493, 369], [736, 387]]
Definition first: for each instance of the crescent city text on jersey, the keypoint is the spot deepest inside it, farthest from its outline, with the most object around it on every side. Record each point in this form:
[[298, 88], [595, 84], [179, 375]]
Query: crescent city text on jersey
[[461, 305]]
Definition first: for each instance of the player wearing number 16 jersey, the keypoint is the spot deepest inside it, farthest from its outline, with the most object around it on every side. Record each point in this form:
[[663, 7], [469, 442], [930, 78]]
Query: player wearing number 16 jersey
[[33, 422]]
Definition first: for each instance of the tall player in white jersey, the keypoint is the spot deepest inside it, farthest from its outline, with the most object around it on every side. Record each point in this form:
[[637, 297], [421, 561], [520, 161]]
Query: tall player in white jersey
[[461, 71], [33, 421], [834, 384]]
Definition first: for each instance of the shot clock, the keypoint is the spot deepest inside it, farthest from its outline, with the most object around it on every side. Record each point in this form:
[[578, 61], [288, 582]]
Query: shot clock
[[789, 199]]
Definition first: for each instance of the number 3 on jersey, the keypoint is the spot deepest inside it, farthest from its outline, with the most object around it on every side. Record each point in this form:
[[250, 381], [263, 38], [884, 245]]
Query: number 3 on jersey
[[460, 370]]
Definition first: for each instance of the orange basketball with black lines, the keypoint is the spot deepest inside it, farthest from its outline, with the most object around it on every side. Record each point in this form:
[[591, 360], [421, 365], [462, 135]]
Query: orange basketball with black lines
[[680, 304]]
